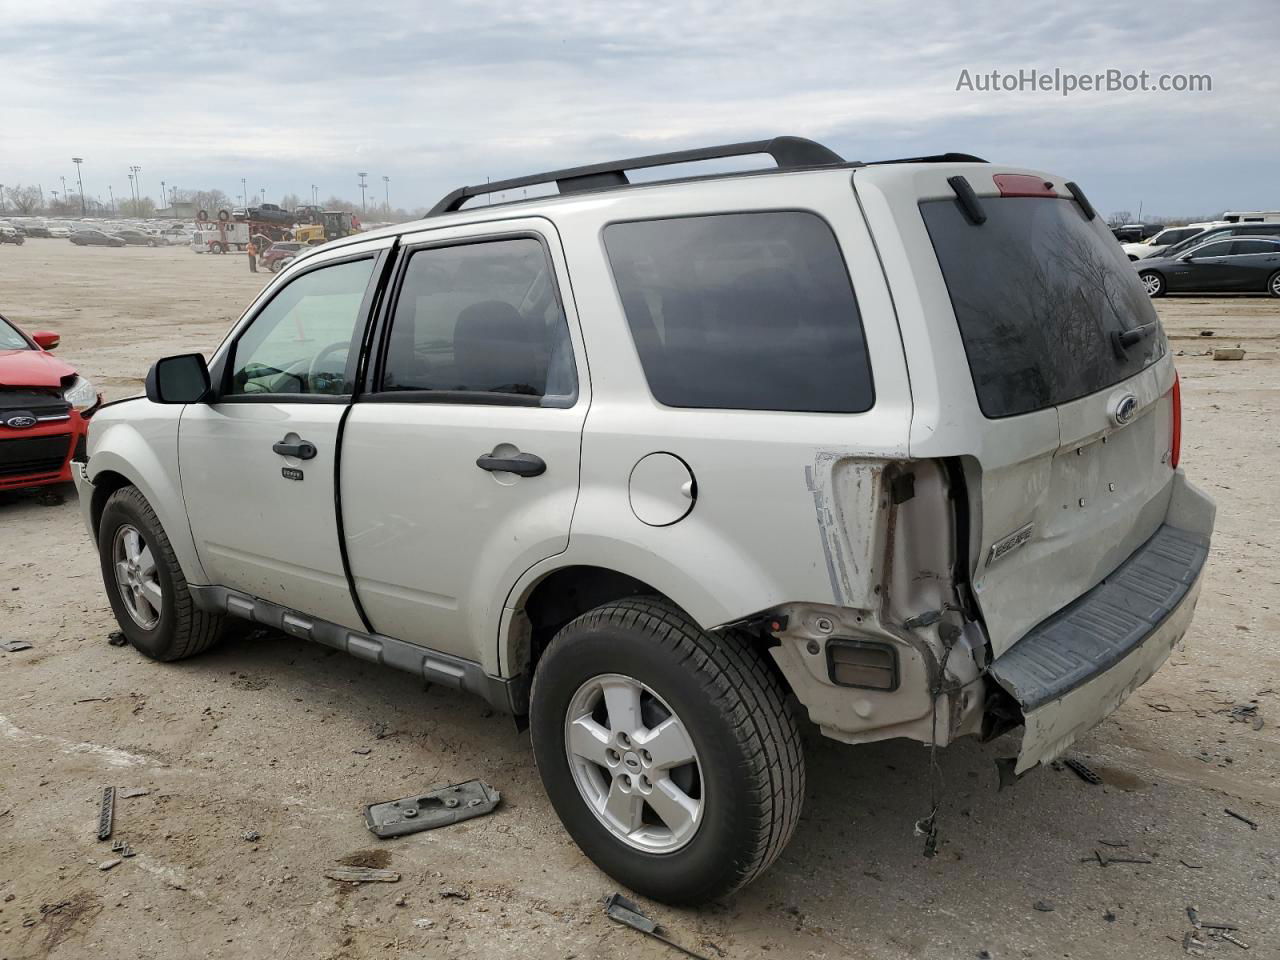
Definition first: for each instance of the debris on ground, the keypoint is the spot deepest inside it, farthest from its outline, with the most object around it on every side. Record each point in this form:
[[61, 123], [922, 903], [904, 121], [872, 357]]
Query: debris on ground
[[1113, 843], [1241, 817], [116, 638], [1206, 333], [362, 875], [50, 498], [1081, 770], [106, 813], [13, 646], [626, 912], [1228, 353], [435, 808], [1106, 861], [108, 864], [362, 751], [424, 923], [252, 836], [128, 793], [122, 848], [1044, 906], [454, 894], [1245, 713]]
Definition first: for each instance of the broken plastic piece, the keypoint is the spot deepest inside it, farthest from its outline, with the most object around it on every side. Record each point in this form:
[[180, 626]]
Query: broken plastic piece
[[362, 875], [107, 813], [427, 811], [626, 912], [13, 646], [1081, 770]]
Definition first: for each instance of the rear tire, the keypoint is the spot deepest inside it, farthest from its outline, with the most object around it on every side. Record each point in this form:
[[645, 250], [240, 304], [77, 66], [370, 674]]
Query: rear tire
[[685, 830], [145, 584], [1273, 284], [1153, 282]]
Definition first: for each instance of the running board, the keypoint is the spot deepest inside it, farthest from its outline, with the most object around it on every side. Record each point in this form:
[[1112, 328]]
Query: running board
[[508, 696]]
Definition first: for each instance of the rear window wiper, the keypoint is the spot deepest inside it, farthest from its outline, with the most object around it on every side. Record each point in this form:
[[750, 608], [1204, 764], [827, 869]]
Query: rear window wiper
[[1122, 340]]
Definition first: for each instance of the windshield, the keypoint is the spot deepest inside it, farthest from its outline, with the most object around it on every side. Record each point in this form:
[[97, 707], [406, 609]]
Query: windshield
[[1039, 293], [10, 338]]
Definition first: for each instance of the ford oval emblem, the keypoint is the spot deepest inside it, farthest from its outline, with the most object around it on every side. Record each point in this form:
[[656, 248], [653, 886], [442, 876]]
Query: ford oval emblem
[[20, 421], [1125, 408]]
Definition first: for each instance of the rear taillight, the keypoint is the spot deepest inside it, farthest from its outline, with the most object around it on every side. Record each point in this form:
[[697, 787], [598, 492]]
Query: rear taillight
[[1175, 441]]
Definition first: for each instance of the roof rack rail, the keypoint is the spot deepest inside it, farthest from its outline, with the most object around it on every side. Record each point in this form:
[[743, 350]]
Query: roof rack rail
[[787, 152]]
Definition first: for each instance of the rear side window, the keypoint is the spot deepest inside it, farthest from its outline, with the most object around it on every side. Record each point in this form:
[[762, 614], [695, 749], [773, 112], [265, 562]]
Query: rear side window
[[745, 311], [1038, 292], [478, 320]]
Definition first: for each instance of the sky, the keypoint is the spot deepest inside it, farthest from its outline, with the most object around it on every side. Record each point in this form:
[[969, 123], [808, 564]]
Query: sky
[[442, 93]]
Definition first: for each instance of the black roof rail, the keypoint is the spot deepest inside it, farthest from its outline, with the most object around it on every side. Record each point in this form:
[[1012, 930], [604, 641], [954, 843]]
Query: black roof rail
[[787, 152]]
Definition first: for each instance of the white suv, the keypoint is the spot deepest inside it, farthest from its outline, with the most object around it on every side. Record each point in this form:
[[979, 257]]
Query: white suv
[[666, 467]]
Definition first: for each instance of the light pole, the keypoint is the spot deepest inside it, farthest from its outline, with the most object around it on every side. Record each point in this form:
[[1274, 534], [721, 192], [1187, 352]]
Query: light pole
[[362, 185], [263, 192], [137, 190], [112, 194], [315, 199], [244, 191], [64, 187], [133, 194], [164, 194], [386, 194], [77, 161]]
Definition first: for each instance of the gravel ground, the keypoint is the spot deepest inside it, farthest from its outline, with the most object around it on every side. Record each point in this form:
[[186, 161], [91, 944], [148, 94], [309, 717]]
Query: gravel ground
[[288, 741]]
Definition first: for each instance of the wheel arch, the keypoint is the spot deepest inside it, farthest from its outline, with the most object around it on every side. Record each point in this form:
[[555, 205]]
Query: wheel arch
[[111, 470], [543, 603]]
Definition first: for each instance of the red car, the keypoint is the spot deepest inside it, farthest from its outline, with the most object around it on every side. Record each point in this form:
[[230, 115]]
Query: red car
[[44, 410]]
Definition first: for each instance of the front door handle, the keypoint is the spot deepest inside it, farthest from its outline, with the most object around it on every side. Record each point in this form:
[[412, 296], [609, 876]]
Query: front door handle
[[523, 464], [303, 449]]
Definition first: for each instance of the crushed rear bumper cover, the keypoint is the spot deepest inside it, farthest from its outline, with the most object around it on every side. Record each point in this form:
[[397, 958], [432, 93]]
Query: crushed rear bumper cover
[[1080, 664]]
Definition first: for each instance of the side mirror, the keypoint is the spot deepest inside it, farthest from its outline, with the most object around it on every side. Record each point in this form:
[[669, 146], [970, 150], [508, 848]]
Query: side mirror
[[1187, 258], [180, 379], [46, 339]]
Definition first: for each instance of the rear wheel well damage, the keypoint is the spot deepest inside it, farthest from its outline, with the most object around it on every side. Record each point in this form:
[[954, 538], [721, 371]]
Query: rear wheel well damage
[[565, 594]]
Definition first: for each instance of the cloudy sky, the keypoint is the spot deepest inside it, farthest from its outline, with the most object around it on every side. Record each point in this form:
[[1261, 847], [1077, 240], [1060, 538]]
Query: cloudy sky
[[438, 93]]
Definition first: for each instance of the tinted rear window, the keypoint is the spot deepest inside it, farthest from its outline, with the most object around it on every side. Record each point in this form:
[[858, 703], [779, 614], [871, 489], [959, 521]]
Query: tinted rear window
[[1038, 291], [746, 311]]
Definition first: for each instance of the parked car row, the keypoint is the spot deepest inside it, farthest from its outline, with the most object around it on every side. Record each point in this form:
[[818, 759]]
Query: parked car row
[[134, 232], [1249, 264]]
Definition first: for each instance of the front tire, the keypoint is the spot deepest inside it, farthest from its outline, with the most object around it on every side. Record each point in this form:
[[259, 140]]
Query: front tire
[[145, 584], [671, 755], [1153, 283], [1273, 284]]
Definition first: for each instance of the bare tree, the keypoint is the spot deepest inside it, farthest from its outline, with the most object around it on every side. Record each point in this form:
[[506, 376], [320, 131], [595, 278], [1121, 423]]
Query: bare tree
[[290, 201], [25, 200], [1119, 218]]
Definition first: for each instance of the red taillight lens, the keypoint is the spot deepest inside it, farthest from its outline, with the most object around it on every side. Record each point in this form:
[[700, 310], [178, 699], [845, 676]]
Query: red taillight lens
[[1175, 442]]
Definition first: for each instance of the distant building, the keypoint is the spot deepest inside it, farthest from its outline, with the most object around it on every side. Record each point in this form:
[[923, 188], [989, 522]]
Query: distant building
[[182, 210]]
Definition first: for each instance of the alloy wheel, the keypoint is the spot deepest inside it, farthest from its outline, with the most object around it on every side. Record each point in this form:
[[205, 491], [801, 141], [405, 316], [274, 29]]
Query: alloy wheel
[[1151, 283], [137, 578], [634, 763]]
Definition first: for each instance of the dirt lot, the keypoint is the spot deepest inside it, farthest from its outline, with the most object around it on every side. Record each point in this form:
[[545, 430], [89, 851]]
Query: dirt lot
[[287, 740]]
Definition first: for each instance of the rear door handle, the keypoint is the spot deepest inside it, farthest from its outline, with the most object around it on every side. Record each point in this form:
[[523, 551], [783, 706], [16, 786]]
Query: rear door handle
[[303, 449], [523, 464]]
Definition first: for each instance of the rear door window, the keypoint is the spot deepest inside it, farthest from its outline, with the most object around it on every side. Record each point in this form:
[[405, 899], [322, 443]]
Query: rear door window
[[1038, 293], [481, 323], [745, 311]]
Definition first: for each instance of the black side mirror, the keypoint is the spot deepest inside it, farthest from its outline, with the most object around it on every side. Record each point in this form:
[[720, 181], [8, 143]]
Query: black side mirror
[[180, 379]]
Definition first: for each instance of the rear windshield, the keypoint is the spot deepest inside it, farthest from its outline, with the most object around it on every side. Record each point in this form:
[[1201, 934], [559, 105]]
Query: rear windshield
[[745, 311], [1038, 290]]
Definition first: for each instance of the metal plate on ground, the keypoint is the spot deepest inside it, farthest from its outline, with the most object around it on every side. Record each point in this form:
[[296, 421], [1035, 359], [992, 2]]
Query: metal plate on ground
[[432, 809]]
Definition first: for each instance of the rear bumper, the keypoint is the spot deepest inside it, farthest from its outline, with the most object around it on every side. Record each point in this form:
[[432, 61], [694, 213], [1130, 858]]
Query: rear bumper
[[1075, 668]]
